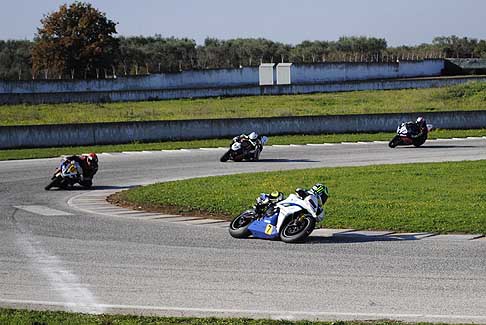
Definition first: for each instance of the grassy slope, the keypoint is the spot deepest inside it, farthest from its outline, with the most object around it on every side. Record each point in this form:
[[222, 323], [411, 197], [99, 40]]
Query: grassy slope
[[211, 143], [13, 316], [460, 97], [439, 197]]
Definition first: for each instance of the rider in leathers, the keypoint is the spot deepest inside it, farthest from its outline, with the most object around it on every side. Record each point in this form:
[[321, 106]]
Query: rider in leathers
[[88, 165], [319, 190]]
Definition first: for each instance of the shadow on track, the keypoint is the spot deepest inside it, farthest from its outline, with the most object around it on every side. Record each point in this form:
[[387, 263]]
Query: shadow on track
[[273, 160], [108, 187], [436, 147], [361, 238]]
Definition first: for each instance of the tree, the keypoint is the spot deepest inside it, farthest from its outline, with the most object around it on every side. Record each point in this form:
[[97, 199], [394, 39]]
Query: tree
[[76, 41]]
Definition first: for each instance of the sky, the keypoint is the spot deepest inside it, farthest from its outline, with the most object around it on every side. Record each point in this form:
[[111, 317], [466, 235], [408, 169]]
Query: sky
[[400, 22]]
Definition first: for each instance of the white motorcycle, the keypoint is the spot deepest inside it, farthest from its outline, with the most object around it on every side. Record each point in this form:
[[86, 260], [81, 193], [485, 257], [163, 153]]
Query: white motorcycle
[[291, 220], [245, 149]]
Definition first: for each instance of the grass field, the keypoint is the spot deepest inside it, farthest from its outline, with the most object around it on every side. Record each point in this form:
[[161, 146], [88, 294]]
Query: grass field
[[471, 96], [432, 197], [21, 317], [212, 143]]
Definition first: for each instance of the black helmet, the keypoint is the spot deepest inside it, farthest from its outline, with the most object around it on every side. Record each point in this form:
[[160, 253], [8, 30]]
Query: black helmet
[[321, 190], [421, 121]]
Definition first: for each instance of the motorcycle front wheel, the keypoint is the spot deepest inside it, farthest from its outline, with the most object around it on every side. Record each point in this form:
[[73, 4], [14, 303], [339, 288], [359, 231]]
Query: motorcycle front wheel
[[239, 226], [225, 157], [297, 228], [394, 142], [56, 182]]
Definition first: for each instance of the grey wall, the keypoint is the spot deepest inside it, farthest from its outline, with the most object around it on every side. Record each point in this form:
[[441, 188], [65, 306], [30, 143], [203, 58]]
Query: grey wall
[[158, 94], [189, 83], [115, 133], [184, 79], [330, 72]]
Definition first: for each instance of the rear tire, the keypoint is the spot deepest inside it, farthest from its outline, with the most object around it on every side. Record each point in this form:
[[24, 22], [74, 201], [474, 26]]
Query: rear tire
[[394, 142], [239, 226], [419, 142], [297, 228]]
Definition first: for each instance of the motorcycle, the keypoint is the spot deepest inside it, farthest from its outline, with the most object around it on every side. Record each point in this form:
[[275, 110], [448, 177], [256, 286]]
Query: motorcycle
[[244, 150], [66, 175], [290, 220], [404, 136]]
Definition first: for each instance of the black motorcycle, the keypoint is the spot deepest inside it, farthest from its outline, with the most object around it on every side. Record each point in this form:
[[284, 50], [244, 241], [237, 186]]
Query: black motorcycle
[[406, 135], [244, 150]]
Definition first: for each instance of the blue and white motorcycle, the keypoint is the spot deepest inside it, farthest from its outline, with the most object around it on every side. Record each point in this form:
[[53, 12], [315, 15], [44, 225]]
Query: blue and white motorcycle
[[291, 220], [66, 175]]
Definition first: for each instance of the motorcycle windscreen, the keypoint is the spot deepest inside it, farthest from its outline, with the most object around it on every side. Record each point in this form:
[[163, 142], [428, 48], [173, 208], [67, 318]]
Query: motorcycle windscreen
[[261, 229]]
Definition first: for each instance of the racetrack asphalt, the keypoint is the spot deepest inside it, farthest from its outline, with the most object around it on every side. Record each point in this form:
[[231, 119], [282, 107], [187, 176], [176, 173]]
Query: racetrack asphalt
[[54, 256]]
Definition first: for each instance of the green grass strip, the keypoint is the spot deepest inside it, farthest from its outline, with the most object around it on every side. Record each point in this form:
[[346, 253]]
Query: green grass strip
[[433, 197], [27, 317], [470, 96], [212, 143]]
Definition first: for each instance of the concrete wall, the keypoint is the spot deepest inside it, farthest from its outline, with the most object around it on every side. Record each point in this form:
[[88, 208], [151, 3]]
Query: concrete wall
[[115, 133], [13, 92], [184, 79], [330, 72], [158, 94]]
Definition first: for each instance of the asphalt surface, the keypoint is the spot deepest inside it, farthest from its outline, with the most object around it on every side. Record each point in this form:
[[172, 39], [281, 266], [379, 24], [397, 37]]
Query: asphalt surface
[[57, 257]]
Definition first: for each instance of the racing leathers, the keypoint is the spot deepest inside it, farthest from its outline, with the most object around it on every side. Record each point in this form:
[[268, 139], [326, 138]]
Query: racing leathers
[[88, 170]]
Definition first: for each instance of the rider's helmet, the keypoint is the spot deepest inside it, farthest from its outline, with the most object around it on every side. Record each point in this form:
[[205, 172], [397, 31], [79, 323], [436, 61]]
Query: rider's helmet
[[421, 122], [253, 136], [276, 196], [92, 160], [320, 190]]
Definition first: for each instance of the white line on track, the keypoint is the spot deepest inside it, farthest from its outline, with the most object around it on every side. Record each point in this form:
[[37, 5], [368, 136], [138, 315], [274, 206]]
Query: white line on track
[[42, 210], [76, 297], [211, 149], [271, 314], [321, 144]]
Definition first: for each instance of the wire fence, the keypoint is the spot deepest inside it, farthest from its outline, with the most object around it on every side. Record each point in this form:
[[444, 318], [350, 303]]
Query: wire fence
[[128, 68]]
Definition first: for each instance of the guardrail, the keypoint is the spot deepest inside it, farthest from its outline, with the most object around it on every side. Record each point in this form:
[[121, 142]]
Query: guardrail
[[127, 132]]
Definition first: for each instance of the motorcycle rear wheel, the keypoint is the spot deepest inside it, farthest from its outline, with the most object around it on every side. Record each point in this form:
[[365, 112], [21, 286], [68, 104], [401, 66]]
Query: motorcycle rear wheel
[[418, 143], [239, 226], [297, 228]]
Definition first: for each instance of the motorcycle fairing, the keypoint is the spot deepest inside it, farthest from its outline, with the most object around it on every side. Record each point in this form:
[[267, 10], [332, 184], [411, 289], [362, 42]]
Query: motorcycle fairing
[[236, 146], [265, 228], [294, 204]]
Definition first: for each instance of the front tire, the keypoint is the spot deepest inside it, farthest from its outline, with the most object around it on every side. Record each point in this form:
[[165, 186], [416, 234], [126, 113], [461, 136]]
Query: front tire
[[394, 142], [297, 228], [225, 157], [56, 182], [239, 226]]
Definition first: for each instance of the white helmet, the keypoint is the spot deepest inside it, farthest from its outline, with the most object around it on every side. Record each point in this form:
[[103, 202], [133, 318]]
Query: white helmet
[[253, 136]]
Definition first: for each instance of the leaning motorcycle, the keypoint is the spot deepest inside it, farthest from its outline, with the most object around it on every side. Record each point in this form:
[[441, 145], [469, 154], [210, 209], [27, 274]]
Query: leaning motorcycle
[[66, 175], [405, 133], [291, 220], [244, 150]]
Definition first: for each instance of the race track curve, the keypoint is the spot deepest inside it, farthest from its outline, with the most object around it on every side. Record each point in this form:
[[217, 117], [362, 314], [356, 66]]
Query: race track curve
[[56, 257]]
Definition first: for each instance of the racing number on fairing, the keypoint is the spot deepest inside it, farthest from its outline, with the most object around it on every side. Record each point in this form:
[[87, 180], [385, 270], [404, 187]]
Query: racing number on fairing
[[269, 229]]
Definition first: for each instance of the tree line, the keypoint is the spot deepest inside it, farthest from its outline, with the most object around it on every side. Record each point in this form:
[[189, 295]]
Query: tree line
[[79, 42]]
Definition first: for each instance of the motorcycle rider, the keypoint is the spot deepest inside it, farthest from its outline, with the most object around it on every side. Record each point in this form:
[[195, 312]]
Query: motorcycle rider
[[418, 128], [88, 165], [254, 139], [321, 191]]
